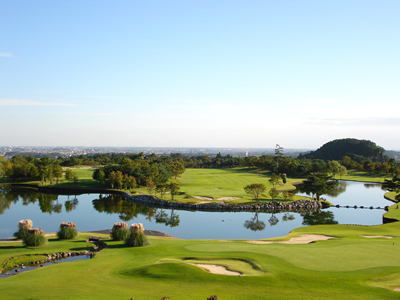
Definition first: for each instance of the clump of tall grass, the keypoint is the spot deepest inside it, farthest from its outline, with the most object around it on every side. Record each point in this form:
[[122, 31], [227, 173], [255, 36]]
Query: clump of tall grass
[[137, 237], [120, 232], [23, 227], [67, 231], [34, 239]]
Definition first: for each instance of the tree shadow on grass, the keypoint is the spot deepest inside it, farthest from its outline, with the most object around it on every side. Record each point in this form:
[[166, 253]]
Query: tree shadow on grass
[[116, 246], [12, 247]]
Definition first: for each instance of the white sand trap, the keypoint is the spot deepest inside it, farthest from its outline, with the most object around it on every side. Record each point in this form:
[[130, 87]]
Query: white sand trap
[[229, 198], [396, 289], [204, 202], [304, 239], [204, 198], [215, 269], [377, 236]]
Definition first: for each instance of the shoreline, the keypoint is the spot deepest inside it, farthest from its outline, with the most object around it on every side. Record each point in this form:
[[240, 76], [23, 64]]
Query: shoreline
[[103, 231]]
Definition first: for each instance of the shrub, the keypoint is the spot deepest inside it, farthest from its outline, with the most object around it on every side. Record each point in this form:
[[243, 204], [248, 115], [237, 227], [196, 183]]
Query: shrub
[[34, 239], [120, 234], [273, 192], [67, 233], [137, 240], [20, 233]]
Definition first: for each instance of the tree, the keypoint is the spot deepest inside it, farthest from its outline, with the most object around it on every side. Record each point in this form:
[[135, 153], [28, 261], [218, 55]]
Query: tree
[[393, 166], [150, 185], [393, 185], [334, 167], [342, 171], [318, 184], [68, 175], [2, 163], [275, 180], [57, 172], [255, 189], [278, 154], [161, 188], [75, 177], [177, 168], [119, 177], [273, 192], [173, 188]]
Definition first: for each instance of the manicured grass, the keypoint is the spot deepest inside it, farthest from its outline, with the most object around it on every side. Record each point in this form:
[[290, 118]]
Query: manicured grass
[[365, 176], [219, 183], [348, 267]]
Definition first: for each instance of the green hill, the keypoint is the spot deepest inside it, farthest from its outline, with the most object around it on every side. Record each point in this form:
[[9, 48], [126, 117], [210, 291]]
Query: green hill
[[356, 149]]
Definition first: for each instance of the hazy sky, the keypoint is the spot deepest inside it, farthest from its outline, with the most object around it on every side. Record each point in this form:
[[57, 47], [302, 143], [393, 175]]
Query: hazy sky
[[199, 73]]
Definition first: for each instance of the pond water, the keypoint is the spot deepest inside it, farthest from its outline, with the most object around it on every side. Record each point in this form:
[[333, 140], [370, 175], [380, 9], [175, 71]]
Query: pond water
[[96, 212]]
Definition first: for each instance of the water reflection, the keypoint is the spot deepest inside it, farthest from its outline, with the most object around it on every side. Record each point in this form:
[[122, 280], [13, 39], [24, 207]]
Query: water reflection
[[162, 217], [127, 210], [318, 217], [10, 196], [71, 205], [254, 223], [48, 203], [15, 205], [273, 220], [339, 189], [287, 217], [374, 185]]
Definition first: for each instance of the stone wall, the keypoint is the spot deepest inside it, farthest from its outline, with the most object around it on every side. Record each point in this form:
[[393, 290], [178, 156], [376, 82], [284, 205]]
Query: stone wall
[[297, 206]]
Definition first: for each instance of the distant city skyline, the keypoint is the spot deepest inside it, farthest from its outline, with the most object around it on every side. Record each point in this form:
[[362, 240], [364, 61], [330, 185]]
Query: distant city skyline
[[199, 73]]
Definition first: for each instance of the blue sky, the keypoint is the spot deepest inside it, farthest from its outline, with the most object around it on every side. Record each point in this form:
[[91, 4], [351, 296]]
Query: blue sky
[[199, 73]]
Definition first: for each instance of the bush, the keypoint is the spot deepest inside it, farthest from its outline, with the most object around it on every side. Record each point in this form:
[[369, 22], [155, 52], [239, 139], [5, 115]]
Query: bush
[[20, 233], [34, 239], [137, 240], [120, 234], [67, 233]]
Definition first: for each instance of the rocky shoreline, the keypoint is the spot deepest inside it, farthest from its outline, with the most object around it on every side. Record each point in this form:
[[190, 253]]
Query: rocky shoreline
[[297, 206]]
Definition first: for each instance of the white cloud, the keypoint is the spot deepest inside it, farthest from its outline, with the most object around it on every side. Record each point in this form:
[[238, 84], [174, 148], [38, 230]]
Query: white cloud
[[27, 102], [5, 54]]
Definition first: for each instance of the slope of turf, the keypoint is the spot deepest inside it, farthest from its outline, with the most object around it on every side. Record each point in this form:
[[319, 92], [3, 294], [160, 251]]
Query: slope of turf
[[221, 183], [348, 267]]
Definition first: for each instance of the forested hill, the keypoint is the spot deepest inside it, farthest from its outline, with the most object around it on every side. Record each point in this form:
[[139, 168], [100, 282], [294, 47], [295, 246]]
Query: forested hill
[[356, 149]]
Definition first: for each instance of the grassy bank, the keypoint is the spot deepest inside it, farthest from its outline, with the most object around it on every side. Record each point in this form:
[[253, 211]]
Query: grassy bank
[[221, 184], [346, 267]]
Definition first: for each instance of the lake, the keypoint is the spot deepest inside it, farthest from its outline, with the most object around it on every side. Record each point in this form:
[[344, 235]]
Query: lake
[[95, 212]]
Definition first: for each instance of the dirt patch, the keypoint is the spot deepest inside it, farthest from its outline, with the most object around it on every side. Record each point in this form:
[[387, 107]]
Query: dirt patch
[[215, 269], [204, 198], [396, 289], [229, 198], [377, 236], [304, 239]]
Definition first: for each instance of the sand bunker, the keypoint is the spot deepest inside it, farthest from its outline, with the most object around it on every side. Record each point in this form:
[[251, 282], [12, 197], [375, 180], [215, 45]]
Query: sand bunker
[[229, 198], [304, 239], [204, 198], [377, 236], [215, 269]]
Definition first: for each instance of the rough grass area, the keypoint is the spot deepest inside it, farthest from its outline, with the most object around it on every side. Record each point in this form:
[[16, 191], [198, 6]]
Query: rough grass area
[[348, 267]]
